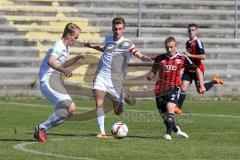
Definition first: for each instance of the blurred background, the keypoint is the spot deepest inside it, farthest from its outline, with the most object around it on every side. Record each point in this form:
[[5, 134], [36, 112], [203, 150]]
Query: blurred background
[[29, 27]]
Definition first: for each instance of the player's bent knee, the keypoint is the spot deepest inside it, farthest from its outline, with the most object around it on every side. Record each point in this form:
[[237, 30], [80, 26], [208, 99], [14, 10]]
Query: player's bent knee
[[72, 108], [117, 112], [65, 109]]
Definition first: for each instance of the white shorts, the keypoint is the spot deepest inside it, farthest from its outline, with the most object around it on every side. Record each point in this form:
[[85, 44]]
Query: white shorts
[[54, 96], [107, 84]]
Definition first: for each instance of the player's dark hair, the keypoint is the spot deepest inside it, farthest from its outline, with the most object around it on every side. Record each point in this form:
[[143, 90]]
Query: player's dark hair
[[192, 25], [70, 28], [169, 39], [118, 20]]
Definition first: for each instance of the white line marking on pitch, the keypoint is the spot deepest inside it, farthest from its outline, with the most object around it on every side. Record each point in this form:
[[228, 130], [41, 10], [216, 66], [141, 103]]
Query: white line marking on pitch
[[21, 147], [133, 110], [194, 114]]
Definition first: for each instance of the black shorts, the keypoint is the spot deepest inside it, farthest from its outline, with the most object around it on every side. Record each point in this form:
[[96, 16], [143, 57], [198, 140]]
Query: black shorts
[[190, 76], [173, 97]]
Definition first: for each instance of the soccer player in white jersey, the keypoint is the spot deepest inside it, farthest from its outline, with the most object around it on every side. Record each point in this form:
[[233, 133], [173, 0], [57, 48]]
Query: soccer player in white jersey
[[54, 64], [112, 70]]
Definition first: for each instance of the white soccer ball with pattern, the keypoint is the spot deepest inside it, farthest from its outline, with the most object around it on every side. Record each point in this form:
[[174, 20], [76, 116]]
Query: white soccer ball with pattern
[[119, 130]]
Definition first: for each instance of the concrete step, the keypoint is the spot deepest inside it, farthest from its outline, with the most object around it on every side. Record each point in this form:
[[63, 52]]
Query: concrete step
[[133, 3], [147, 13], [177, 22], [14, 62], [200, 14], [14, 87], [176, 32], [42, 20], [211, 53], [146, 31], [145, 42], [11, 40], [44, 28], [154, 42], [24, 73], [19, 51], [36, 10], [224, 64]]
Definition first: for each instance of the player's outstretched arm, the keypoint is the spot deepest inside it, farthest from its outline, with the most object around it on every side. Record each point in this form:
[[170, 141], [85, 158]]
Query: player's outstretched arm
[[73, 60], [97, 47], [153, 71], [199, 56], [53, 63], [142, 57], [202, 88]]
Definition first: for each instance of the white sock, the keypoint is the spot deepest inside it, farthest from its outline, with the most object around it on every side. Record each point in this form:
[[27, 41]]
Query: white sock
[[100, 119], [52, 121]]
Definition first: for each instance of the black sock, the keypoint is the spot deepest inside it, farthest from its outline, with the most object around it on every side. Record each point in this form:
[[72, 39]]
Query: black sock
[[170, 124], [175, 128], [209, 85], [181, 99]]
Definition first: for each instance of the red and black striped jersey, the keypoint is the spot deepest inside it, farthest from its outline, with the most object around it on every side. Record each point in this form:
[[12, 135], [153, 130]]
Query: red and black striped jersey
[[169, 69], [195, 47]]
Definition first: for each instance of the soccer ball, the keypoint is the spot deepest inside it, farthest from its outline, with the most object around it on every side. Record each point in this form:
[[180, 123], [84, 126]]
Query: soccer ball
[[119, 130]]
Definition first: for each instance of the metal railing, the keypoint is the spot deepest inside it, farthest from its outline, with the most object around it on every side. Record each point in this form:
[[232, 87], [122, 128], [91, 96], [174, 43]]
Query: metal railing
[[236, 20], [139, 19]]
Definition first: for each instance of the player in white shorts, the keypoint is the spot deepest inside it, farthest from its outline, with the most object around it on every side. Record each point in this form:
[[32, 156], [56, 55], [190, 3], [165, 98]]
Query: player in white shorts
[[112, 70], [53, 66]]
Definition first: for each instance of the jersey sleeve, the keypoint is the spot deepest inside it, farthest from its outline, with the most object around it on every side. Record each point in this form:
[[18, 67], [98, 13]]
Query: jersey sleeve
[[188, 63], [55, 52], [132, 49], [200, 47]]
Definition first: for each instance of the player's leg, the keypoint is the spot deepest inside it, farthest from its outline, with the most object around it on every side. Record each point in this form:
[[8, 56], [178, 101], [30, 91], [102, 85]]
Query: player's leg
[[61, 113], [161, 106], [116, 95], [64, 108], [99, 96], [100, 90], [172, 100], [128, 97], [215, 80], [186, 81]]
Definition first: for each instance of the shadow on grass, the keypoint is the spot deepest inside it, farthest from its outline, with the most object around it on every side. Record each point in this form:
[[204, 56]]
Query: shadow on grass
[[143, 137], [68, 134], [94, 135], [16, 140]]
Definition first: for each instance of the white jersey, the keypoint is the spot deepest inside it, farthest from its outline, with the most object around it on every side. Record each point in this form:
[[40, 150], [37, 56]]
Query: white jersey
[[115, 58], [61, 52]]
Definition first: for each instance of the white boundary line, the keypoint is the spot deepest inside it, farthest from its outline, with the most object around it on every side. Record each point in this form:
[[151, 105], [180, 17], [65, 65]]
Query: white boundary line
[[35, 105], [132, 110], [21, 147]]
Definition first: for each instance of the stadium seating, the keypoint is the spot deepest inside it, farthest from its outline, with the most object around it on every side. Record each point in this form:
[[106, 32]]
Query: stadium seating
[[29, 27]]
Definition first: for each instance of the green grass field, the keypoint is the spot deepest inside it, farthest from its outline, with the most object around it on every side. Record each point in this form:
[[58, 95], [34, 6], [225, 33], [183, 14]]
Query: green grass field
[[213, 129]]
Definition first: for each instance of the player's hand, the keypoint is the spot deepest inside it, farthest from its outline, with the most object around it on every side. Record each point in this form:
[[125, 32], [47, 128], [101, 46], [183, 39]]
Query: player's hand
[[68, 73], [81, 56], [149, 78], [186, 53], [87, 44], [202, 90], [153, 58]]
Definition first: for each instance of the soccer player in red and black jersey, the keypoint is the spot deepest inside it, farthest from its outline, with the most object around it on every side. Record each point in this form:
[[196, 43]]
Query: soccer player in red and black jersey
[[195, 51], [167, 87]]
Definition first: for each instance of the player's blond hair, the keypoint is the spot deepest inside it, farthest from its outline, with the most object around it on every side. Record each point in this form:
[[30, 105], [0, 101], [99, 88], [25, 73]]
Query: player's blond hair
[[170, 39], [70, 28]]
